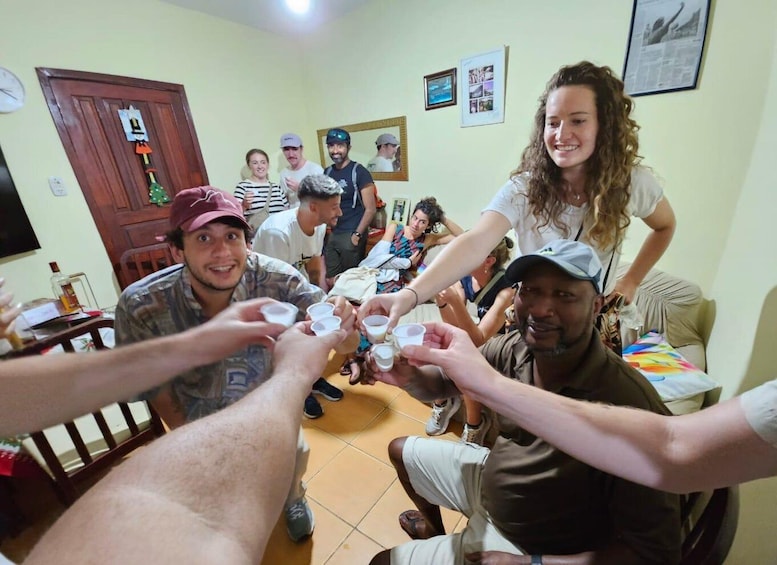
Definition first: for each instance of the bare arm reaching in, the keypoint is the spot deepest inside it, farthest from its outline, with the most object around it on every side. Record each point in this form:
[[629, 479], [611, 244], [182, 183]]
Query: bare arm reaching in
[[82, 383], [700, 451], [176, 501]]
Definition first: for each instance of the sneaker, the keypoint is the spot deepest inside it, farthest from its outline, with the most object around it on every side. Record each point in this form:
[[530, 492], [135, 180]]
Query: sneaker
[[330, 392], [312, 408], [477, 435], [441, 416], [299, 520]]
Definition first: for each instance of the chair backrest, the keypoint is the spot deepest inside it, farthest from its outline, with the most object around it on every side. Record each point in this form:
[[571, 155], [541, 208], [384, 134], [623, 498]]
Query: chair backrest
[[121, 433], [712, 531], [138, 262]]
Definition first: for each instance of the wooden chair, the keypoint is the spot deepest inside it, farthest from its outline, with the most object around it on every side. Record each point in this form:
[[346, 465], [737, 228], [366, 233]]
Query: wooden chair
[[90, 457], [138, 262], [712, 533]]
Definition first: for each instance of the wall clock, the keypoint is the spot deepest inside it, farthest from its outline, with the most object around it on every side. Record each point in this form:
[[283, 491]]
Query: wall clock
[[11, 91]]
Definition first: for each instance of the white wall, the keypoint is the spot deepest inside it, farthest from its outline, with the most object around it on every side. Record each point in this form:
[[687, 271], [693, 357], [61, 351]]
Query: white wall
[[243, 87]]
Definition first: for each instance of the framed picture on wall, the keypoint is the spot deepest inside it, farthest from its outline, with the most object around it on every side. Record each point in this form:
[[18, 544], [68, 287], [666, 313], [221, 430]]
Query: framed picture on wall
[[400, 210], [666, 43], [482, 80], [440, 89]]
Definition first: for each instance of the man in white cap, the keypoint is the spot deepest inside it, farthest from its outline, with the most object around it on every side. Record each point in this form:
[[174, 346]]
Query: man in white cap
[[383, 162], [526, 500], [298, 168]]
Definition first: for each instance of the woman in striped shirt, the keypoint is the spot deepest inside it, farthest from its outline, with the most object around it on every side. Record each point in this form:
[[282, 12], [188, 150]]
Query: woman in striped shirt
[[259, 196]]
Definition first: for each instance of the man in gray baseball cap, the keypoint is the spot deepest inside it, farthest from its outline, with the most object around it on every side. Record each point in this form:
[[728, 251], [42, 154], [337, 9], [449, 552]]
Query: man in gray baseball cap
[[523, 496], [383, 162], [298, 169]]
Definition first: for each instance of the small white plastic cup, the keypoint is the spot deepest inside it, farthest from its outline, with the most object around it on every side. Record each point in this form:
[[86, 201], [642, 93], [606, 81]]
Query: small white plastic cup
[[280, 313], [383, 353], [409, 334], [320, 310], [326, 325], [376, 327]]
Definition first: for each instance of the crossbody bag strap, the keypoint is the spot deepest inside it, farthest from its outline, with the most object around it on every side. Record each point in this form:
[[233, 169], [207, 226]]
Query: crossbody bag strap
[[612, 256], [483, 291]]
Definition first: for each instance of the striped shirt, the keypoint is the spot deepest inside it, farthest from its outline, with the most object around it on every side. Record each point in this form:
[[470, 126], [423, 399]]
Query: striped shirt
[[259, 194]]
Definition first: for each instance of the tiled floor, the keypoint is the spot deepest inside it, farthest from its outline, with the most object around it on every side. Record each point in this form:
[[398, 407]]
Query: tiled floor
[[352, 487]]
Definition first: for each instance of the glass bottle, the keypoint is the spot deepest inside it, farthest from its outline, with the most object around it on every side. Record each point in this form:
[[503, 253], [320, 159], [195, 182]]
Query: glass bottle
[[63, 289]]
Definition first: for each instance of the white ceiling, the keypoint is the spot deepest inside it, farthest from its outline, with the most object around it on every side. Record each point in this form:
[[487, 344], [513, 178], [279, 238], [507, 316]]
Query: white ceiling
[[272, 15]]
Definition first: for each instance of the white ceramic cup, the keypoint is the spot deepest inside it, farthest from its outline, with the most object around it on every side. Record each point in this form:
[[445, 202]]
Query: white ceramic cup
[[409, 334], [376, 327], [383, 353], [320, 310], [326, 325], [280, 313]]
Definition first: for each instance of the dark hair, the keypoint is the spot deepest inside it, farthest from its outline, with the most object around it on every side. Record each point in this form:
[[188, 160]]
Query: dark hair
[[501, 253], [430, 207], [260, 151], [175, 237], [608, 169]]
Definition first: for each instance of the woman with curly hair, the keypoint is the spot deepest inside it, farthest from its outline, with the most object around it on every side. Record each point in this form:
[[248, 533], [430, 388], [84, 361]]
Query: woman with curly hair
[[579, 178], [408, 244]]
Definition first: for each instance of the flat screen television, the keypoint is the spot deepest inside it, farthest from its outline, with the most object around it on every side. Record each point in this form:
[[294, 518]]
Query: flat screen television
[[16, 233]]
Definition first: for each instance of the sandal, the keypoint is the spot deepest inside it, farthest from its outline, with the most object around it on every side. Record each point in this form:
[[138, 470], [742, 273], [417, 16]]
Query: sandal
[[345, 370], [409, 521]]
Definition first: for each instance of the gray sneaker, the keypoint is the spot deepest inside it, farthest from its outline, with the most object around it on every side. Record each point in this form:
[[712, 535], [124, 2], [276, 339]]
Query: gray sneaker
[[477, 435], [299, 520], [441, 416]]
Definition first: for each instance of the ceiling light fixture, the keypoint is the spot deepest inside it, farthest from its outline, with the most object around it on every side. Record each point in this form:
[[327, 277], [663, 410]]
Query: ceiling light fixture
[[298, 6]]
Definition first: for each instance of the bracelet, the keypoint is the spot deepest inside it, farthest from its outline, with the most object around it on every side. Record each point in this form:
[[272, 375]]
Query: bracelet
[[415, 293], [443, 306], [536, 560]]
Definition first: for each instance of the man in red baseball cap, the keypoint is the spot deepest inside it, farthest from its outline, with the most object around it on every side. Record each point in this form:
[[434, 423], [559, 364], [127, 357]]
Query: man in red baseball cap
[[209, 239]]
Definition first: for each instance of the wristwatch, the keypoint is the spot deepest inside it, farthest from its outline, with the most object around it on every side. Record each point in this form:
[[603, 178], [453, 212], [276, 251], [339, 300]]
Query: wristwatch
[[536, 560], [357, 234]]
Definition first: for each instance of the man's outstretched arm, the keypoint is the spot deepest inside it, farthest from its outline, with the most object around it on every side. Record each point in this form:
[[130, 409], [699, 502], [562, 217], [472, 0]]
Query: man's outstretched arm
[[208, 492], [40, 391]]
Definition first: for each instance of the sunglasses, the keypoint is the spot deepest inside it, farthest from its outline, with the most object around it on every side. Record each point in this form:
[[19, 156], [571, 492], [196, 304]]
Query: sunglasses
[[338, 134]]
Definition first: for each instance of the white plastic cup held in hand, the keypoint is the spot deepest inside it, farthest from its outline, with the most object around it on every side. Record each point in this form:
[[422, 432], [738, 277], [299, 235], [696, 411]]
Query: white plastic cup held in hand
[[280, 313], [376, 327], [383, 353], [320, 310], [409, 334], [326, 325]]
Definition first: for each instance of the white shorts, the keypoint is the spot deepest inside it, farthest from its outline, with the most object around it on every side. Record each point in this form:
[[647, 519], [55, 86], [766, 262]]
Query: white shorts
[[448, 474]]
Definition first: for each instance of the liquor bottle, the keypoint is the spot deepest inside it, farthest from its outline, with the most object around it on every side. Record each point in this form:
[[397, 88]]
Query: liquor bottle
[[63, 289]]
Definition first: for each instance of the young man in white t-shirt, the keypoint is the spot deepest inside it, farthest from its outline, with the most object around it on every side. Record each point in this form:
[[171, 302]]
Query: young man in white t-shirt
[[298, 168], [296, 236]]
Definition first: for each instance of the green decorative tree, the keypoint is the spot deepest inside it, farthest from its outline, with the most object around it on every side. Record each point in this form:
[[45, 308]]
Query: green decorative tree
[[157, 194]]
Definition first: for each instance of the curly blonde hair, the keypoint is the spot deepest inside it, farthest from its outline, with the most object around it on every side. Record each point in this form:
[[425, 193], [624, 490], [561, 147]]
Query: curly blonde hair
[[501, 253], [608, 169]]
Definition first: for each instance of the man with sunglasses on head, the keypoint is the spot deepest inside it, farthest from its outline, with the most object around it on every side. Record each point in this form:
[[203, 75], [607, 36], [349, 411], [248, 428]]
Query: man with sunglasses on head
[[347, 244]]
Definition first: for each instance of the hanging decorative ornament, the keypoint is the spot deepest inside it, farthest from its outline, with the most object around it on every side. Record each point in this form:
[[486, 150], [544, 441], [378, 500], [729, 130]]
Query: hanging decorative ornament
[[136, 131]]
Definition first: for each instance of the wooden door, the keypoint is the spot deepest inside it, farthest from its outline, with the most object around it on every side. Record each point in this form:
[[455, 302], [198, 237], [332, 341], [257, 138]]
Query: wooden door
[[85, 107]]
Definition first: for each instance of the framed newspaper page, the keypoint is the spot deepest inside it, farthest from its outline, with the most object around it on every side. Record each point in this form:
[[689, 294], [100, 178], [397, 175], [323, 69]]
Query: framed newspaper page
[[482, 88], [666, 43]]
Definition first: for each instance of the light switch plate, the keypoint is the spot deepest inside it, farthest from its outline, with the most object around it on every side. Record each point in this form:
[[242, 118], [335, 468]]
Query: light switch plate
[[57, 186]]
